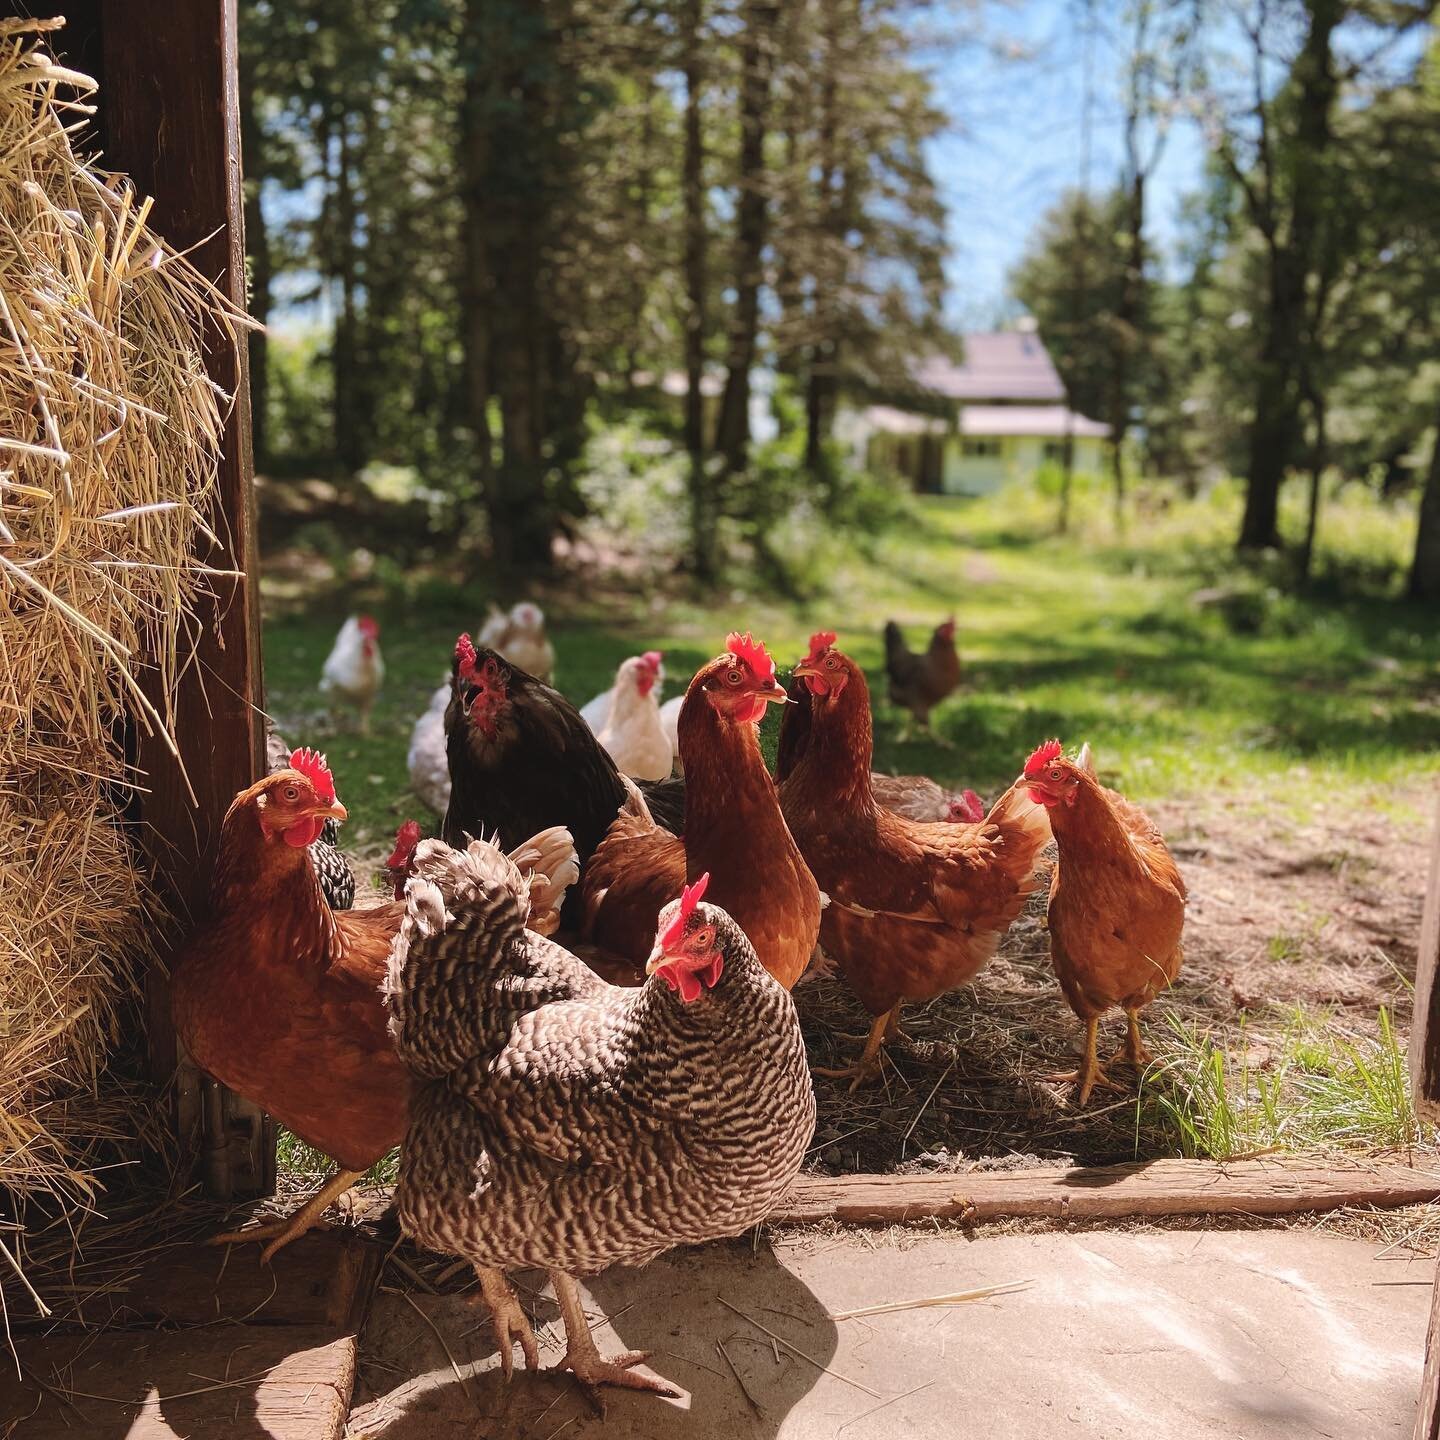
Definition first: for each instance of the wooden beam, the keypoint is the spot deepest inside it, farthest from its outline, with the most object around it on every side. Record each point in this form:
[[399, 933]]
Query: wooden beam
[[1425, 1029], [1270, 1186]]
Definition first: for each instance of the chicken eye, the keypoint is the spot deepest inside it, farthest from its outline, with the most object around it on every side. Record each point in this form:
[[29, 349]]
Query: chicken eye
[[831, 663], [704, 938], [733, 677], [1056, 775], [291, 793]]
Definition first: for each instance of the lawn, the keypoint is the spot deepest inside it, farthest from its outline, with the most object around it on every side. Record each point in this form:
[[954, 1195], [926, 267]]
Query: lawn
[[1289, 746]]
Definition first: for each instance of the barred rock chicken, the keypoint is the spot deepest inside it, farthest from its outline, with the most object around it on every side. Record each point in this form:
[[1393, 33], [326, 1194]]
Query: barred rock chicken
[[354, 669], [918, 683], [520, 638], [733, 830], [278, 997], [913, 797], [332, 869], [915, 909], [564, 1123], [1117, 903], [521, 759], [426, 760], [626, 719]]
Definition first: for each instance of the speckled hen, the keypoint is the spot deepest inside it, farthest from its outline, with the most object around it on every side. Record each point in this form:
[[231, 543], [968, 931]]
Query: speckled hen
[[565, 1123]]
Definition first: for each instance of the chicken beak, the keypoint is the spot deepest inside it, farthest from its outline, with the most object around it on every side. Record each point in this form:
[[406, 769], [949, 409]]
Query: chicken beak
[[775, 695], [803, 671], [657, 958], [334, 811]]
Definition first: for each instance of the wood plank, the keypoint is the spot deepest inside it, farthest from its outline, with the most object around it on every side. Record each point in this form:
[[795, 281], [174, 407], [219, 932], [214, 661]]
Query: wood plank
[[1161, 1187], [1427, 1417], [228, 1383], [169, 117], [325, 1278], [1425, 1031]]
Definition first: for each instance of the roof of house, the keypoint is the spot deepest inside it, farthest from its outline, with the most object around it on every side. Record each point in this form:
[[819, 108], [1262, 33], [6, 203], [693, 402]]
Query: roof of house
[[1048, 422], [1006, 365], [901, 422]]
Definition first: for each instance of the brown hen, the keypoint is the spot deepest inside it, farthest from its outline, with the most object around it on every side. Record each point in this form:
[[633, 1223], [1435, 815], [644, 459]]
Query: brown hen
[[915, 909], [1117, 903]]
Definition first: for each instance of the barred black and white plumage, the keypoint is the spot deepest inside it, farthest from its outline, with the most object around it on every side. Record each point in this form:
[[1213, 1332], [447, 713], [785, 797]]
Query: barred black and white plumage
[[568, 1123]]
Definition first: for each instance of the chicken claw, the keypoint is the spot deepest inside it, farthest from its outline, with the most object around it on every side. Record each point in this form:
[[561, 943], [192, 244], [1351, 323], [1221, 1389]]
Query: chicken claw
[[508, 1320], [867, 1067], [1134, 1051], [1090, 1074], [586, 1363], [281, 1231]]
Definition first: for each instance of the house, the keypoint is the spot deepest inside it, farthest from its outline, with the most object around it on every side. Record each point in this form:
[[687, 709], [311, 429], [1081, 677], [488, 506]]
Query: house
[[1006, 416]]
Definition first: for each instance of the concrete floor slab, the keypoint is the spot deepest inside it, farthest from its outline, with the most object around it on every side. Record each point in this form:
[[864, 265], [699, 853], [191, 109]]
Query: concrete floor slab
[[1191, 1335]]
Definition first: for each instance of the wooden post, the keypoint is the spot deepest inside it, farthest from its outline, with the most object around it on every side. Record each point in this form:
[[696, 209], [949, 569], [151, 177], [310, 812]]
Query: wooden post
[[1425, 1085], [169, 118]]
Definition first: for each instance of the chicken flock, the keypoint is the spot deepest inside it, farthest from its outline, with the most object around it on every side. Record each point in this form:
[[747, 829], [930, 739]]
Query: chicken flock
[[575, 1015]]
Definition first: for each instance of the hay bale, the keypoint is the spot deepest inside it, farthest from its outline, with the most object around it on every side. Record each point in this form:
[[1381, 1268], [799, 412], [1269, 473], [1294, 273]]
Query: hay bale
[[109, 436]]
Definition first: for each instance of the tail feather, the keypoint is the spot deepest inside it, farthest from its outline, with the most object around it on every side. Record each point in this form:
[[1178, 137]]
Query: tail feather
[[465, 912], [1026, 829], [552, 867], [895, 647]]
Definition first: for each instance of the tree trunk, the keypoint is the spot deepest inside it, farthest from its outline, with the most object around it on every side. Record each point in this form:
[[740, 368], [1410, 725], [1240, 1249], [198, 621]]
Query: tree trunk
[[1317, 471], [702, 525], [476, 283], [1425, 572], [1067, 477], [823, 379], [350, 421], [1276, 431], [732, 431]]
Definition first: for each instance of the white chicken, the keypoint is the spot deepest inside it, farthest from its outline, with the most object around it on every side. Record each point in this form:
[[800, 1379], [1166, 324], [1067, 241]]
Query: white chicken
[[626, 719], [429, 766], [670, 724], [354, 670], [520, 637]]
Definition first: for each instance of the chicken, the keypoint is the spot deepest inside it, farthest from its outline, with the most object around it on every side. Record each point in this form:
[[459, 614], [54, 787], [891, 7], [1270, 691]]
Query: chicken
[[426, 759], [1117, 903], [626, 719], [332, 869], [915, 909], [354, 669], [733, 830], [564, 1123], [520, 638], [670, 724], [918, 683], [277, 996], [915, 797]]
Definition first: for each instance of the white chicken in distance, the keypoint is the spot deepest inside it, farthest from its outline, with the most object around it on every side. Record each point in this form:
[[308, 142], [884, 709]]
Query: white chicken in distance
[[353, 671], [626, 719], [520, 637]]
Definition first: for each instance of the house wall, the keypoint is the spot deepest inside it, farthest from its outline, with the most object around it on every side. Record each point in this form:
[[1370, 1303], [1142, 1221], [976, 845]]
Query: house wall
[[980, 466]]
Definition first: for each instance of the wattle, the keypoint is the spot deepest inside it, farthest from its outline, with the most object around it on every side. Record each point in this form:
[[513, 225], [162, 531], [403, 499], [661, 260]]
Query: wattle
[[304, 832]]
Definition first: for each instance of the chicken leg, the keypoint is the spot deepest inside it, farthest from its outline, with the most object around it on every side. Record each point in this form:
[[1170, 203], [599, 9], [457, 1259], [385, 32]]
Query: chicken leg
[[508, 1320], [1134, 1051], [1090, 1074], [282, 1231], [586, 1363], [885, 1029]]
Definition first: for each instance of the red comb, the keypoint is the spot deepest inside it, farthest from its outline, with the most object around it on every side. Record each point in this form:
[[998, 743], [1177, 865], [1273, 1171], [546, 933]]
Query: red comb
[[368, 625], [820, 642], [465, 656], [311, 764], [407, 839], [752, 652], [1041, 756], [690, 897], [652, 658]]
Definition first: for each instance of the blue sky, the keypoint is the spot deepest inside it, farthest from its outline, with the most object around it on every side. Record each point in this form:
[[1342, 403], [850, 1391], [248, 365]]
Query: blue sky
[[1014, 141]]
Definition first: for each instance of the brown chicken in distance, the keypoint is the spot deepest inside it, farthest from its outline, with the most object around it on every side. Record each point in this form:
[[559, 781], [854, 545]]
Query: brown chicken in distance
[[919, 682], [1117, 903], [915, 909], [733, 830]]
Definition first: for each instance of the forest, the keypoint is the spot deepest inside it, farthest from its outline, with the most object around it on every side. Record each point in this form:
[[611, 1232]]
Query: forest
[[512, 245]]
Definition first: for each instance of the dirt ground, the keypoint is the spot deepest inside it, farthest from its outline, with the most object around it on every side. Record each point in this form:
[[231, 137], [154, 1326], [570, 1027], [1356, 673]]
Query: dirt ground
[[1323, 914]]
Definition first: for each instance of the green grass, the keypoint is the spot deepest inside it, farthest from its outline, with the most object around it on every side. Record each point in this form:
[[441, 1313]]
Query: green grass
[[1311, 1086], [1296, 702]]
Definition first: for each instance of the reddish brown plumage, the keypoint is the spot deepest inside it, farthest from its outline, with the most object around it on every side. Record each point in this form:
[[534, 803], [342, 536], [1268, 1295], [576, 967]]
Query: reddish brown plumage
[[915, 909], [278, 996], [733, 829], [1117, 900]]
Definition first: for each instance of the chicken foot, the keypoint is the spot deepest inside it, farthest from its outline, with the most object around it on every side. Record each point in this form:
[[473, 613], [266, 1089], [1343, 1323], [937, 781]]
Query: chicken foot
[[1134, 1051], [584, 1360], [282, 1231], [885, 1029], [1091, 1073], [508, 1320]]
